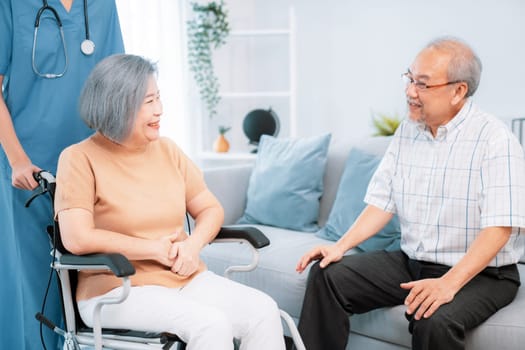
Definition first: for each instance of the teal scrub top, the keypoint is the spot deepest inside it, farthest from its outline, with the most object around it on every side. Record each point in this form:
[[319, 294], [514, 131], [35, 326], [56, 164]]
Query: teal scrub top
[[44, 111], [46, 120]]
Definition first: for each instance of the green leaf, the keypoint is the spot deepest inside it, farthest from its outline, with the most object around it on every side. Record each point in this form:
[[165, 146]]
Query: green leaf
[[224, 129], [206, 30], [384, 124]]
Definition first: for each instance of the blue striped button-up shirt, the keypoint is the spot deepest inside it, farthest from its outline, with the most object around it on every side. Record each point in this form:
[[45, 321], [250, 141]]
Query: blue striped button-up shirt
[[446, 188]]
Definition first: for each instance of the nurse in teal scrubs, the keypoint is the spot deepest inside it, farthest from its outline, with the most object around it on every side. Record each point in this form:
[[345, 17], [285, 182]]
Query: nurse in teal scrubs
[[39, 118]]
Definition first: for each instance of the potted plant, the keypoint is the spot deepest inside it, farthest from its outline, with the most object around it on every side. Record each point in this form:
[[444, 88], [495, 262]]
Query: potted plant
[[207, 30], [221, 145], [385, 124]]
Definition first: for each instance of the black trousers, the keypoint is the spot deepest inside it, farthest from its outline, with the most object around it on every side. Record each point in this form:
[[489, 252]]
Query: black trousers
[[363, 282]]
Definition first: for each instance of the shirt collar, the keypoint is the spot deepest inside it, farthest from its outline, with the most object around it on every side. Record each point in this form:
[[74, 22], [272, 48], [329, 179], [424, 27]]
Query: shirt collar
[[453, 125]]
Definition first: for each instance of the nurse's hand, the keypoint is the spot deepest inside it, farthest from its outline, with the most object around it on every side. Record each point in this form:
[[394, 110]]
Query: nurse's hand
[[22, 175]]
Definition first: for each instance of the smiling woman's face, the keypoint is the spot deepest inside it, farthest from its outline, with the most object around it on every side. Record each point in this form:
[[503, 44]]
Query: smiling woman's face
[[147, 123]]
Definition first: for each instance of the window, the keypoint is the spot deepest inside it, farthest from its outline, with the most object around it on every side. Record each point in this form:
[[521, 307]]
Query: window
[[153, 29]]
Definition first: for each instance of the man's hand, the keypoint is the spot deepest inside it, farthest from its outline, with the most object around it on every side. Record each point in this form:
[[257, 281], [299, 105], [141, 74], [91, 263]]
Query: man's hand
[[427, 295], [185, 255], [328, 254]]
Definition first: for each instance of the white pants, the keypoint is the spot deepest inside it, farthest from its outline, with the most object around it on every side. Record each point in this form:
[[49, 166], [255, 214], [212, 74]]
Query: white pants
[[207, 313]]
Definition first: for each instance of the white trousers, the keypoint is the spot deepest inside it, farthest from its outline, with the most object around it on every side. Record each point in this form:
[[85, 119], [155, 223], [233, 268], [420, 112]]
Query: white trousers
[[207, 313]]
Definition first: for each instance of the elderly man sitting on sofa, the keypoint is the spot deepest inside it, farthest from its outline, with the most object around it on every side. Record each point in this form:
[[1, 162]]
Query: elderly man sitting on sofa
[[454, 176]]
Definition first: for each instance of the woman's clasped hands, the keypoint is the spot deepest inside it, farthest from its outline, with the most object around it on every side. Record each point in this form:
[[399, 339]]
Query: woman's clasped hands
[[182, 256]]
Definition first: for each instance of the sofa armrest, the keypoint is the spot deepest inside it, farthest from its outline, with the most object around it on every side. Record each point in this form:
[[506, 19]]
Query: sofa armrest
[[229, 185]]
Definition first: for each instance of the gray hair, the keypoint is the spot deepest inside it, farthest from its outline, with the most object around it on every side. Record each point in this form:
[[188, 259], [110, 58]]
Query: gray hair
[[464, 65], [113, 94]]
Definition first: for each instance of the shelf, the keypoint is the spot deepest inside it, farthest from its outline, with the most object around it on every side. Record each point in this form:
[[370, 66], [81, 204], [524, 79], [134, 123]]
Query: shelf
[[227, 156], [208, 160], [262, 32], [256, 94], [238, 101]]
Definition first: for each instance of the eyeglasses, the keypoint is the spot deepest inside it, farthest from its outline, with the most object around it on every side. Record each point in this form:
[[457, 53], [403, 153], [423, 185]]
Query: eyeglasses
[[420, 86]]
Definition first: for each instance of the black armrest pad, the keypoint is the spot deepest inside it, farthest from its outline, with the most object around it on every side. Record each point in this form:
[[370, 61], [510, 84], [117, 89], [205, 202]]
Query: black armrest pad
[[117, 263], [252, 234]]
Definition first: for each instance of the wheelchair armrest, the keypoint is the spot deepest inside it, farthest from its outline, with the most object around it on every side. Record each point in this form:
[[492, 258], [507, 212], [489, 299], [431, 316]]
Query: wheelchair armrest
[[251, 234], [117, 263]]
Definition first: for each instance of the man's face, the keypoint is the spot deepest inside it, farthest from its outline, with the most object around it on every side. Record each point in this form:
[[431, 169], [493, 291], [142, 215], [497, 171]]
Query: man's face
[[430, 95]]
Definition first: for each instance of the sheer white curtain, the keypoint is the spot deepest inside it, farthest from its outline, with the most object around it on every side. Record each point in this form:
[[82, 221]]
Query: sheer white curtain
[[153, 29]]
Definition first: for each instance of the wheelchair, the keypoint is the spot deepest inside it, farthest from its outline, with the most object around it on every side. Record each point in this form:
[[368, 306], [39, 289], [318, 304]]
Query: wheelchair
[[66, 265]]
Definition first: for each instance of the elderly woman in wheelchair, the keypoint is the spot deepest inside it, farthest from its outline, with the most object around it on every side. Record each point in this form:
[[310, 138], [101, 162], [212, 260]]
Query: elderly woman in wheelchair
[[127, 190]]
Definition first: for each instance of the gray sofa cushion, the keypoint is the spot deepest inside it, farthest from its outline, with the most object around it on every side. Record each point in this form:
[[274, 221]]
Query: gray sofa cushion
[[505, 329]]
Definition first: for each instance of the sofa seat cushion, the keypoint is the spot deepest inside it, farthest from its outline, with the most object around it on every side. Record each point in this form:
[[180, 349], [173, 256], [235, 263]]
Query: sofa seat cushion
[[386, 324], [506, 328]]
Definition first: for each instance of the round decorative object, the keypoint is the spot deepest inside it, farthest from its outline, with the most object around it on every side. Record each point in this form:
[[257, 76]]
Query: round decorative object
[[260, 122], [221, 145]]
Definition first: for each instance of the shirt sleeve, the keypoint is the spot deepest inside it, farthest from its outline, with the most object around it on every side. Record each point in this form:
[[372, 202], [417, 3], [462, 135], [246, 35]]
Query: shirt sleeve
[[380, 189], [503, 183], [6, 35], [75, 181]]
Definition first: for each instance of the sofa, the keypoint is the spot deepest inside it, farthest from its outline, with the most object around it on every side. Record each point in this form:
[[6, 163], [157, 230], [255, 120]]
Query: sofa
[[381, 329]]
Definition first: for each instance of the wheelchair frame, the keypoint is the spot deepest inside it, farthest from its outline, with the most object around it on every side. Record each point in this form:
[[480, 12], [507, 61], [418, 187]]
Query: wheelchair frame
[[64, 262]]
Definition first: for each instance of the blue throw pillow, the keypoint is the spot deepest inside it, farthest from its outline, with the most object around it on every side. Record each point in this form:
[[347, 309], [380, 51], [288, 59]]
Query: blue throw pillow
[[348, 204], [287, 183]]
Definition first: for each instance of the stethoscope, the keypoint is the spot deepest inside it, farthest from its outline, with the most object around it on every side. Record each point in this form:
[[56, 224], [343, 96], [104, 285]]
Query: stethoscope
[[87, 46]]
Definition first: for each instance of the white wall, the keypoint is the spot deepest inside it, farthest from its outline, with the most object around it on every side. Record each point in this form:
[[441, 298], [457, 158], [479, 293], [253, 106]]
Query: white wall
[[350, 54]]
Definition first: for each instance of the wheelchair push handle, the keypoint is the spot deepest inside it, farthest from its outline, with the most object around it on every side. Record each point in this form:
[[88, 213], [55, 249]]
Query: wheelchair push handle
[[70, 342], [42, 319], [44, 178], [46, 184]]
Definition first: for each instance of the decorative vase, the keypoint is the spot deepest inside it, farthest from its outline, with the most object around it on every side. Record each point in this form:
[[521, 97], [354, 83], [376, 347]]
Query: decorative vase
[[221, 145]]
